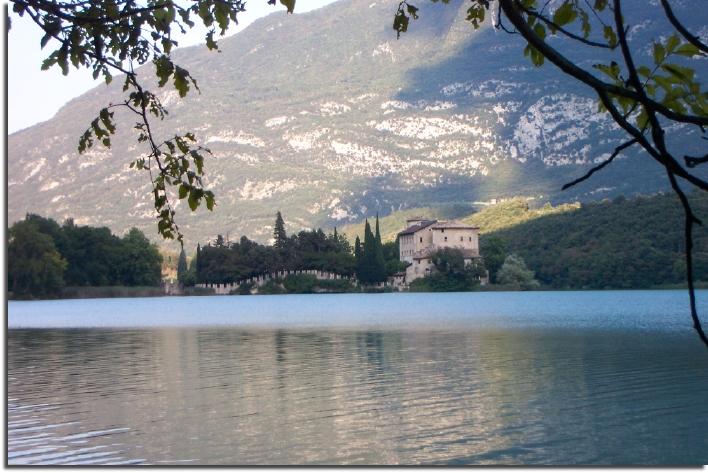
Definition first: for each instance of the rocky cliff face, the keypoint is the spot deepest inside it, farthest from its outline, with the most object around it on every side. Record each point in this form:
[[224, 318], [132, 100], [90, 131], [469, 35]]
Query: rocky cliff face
[[327, 117]]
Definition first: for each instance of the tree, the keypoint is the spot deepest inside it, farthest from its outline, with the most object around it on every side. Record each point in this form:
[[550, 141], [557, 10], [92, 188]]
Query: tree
[[371, 267], [515, 273], [182, 266], [198, 265], [379, 261], [34, 266], [493, 250], [142, 260], [391, 254], [116, 37], [279, 235], [451, 273], [644, 100]]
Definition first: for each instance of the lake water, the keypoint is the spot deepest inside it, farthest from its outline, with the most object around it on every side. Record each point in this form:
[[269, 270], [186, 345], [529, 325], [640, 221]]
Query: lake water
[[587, 378]]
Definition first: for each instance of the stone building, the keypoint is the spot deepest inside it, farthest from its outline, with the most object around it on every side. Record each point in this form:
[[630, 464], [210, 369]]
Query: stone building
[[423, 237]]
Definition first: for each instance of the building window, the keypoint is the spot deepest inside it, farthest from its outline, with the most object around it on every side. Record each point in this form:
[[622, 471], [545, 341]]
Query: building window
[[462, 238], [442, 230], [445, 238], [421, 239], [470, 238]]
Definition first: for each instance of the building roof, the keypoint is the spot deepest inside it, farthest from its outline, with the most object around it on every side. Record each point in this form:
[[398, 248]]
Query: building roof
[[426, 252], [415, 227], [455, 225]]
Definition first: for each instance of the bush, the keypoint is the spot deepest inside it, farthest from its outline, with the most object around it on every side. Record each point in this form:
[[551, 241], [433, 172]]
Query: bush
[[335, 285], [243, 289], [515, 273], [274, 286], [300, 283], [198, 291]]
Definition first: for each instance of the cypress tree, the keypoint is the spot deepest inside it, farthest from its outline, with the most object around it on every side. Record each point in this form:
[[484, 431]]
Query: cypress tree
[[279, 234], [379, 263], [181, 265], [358, 257], [198, 264], [368, 259], [357, 249]]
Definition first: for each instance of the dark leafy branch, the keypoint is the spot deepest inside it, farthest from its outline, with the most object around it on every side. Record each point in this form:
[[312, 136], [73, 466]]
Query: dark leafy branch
[[639, 98], [117, 36]]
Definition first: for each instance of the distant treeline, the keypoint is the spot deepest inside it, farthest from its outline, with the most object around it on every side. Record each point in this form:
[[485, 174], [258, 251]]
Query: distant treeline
[[228, 262], [44, 257], [619, 244]]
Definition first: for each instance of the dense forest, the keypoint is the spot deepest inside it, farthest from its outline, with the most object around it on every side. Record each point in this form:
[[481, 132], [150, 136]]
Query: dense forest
[[370, 261], [619, 244], [44, 257]]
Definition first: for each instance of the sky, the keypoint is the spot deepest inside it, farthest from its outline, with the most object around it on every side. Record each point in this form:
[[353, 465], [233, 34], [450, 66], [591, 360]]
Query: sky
[[34, 95]]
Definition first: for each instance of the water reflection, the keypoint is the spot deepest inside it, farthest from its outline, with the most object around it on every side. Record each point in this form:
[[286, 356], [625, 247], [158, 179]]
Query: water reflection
[[234, 396]]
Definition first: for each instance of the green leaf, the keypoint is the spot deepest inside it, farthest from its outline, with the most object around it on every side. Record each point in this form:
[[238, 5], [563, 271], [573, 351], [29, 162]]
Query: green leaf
[[565, 14], [164, 68], [684, 73], [198, 160], [289, 4], [642, 119], [209, 197], [181, 83], [193, 200], [540, 30], [412, 11], [400, 23], [672, 42], [612, 71], [475, 15], [183, 191], [610, 36], [644, 71], [659, 53], [211, 44], [687, 50]]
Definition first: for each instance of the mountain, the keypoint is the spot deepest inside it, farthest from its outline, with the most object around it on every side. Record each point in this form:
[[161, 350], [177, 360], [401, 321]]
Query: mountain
[[327, 117]]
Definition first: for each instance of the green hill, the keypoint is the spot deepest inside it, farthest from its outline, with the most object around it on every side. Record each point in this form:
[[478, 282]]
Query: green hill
[[513, 212], [623, 243]]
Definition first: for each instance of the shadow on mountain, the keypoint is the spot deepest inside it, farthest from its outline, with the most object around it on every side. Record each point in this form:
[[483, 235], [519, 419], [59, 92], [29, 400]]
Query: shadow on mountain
[[456, 194]]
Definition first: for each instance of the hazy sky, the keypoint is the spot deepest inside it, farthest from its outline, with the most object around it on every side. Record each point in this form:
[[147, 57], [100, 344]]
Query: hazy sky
[[35, 95]]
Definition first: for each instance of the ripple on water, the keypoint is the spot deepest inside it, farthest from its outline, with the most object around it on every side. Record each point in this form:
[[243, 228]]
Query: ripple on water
[[241, 396]]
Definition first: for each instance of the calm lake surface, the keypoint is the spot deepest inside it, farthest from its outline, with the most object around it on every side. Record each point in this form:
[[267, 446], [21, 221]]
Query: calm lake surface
[[616, 377]]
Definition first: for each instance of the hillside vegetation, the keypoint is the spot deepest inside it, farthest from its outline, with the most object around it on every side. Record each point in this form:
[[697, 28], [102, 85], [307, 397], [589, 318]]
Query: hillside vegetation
[[513, 212], [623, 243], [612, 244], [495, 217]]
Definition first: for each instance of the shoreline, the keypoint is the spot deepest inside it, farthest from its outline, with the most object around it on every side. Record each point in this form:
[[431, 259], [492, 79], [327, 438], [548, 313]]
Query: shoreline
[[128, 292]]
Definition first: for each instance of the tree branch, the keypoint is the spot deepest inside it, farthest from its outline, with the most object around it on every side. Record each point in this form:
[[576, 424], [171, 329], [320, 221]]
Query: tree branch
[[592, 171], [512, 10], [689, 220], [693, 161], [682, 29], [564, 31]]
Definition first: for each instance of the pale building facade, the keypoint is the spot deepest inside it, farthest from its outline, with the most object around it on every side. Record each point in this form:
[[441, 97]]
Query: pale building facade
[[423, 237]]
